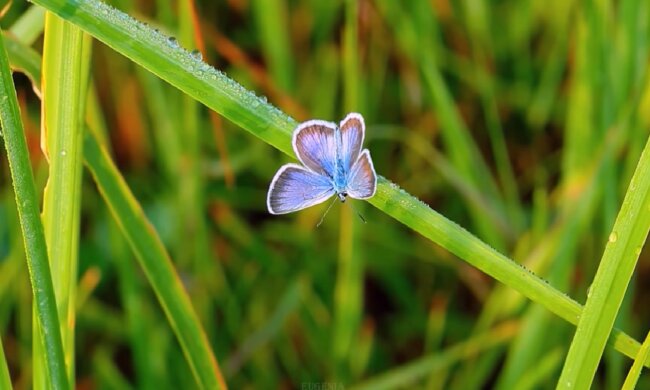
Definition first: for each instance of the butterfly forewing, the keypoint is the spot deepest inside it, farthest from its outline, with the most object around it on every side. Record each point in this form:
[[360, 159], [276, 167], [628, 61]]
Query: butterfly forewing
[[352, 133], [294, 188], [362, 180], [315, 146]]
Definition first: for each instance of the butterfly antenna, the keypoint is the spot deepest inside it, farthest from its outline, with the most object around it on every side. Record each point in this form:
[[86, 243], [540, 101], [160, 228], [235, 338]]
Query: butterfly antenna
[[326, 211], [358, 213]]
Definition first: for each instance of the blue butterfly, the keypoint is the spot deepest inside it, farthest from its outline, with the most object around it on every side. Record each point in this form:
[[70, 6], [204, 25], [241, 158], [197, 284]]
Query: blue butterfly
[[333, 164]]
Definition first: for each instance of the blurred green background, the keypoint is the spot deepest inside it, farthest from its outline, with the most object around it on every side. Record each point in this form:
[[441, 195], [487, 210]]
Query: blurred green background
[[522, 121]]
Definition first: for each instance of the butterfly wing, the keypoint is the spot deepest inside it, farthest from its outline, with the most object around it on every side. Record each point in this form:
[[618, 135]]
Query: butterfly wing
[[315, 146], [352, 134], [362, 180], [294, 188]]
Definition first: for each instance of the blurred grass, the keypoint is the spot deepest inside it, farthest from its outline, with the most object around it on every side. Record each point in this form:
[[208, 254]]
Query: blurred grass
[[521, 121]]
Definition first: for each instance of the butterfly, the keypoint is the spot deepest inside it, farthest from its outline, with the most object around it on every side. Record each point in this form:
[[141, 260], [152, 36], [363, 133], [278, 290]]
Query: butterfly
[[332, 164]]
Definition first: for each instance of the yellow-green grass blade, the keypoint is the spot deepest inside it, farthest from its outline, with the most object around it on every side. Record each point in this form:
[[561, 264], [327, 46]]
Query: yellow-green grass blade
[[156, 263], [64, 82], [177, 66], [30, 220], [635, 371], [29, 26], [612, 278], [5, 379]]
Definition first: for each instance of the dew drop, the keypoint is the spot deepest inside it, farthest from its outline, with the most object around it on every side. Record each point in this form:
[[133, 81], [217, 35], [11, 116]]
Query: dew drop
[[197, 54], [63, 153], [613, 237], [172, 40]]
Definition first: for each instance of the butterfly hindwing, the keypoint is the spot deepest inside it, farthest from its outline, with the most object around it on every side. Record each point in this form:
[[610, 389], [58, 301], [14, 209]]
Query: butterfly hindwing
[[315, 146], [294, 188], [362, 179]]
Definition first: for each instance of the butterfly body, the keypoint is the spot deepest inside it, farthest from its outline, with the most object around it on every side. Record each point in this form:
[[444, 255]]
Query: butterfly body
[[333, 164]]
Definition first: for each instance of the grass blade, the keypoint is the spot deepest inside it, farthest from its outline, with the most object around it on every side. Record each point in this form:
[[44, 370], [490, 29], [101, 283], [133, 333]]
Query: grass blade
[[64, 80], [637, 366], [5, 379], [156, 264], [163, 57], [611, 280], [29, 26], [24, 59], [30, 221]]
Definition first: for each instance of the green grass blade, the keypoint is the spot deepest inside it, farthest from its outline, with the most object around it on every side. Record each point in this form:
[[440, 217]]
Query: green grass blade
[[156, 264], [29, 26], [30, 220], [611, 280], [163, 57], [637, 366], [65, 69], [5, 379], [25, 60]]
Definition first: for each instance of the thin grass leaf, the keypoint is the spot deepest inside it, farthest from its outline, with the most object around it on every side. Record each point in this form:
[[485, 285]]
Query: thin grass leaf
[[635, 371], [5, 379], [162, 56], [30, 220], [611, 280], [156, 264]]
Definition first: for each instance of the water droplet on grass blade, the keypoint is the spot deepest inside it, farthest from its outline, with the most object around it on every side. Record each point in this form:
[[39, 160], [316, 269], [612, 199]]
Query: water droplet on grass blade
[[613, 237], [197, 54]]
